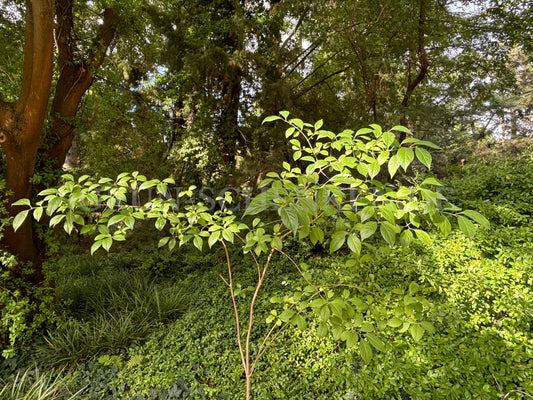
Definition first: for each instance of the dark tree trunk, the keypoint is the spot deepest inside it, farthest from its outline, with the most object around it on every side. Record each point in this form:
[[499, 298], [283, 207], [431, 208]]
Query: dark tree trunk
[[423, 65], [228, 131], [22, 122]]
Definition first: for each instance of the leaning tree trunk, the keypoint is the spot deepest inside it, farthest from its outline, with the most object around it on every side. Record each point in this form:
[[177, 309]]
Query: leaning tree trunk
[[74, 80], [22, 122]]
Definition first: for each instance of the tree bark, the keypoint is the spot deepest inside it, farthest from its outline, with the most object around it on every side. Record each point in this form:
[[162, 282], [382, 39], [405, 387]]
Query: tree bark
[[228, 127], [74, 79], [423, 65], [22, 122]]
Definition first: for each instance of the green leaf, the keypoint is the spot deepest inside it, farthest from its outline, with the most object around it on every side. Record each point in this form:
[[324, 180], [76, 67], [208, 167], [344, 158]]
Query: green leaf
[[395, 322], [466, 226], [416, 332], [322, 330], [337, 240], [365, 349], [405, 156], [322, 197], [477, 217], [351, 338], [373, 169], [375, 341], [445, 226], [388, 232], [413, 288], [228, 235], [388, 138], [289, 132], [215, 236], [354, 243], [46, 192], [90, 228], [198, 242], [368, 229], [96, 245], [431, 181], [289, 217], [325, 312], [286, 315], [428, 326], [394, 164], [163, 241], [53, 205], [299, 321], [423, 236], [160, 223], [367, 213], [19, 219], [271, 118], [406, 238], [316, 235], [423, 156], [56, 220], [259, 204], [401, 128], [171, 244], [22, 202], [276, 243], [115, 219], [428, 144], [107, 242]]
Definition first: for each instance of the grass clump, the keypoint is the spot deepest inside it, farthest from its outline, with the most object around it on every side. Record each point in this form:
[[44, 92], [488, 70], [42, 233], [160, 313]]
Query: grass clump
[[32, 384]]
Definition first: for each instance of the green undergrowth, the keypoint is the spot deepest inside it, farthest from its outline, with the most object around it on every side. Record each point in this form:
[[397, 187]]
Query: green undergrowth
[[146, 324], [481, 306], [119, 341]]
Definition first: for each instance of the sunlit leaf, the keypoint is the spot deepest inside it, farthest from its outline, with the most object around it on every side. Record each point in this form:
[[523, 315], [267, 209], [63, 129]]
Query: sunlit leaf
[[19, 219]]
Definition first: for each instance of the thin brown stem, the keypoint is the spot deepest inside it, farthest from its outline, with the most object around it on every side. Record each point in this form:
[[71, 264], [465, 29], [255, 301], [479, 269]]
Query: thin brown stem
[[251, 315], [229, 283]]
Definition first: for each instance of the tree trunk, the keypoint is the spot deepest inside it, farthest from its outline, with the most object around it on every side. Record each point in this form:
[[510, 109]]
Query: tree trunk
[[22, 122], [228, 127], [423, 65], [74, 80]]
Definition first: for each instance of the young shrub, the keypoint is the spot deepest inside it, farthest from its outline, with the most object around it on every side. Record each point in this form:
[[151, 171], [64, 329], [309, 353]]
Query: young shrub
[[333, 178]]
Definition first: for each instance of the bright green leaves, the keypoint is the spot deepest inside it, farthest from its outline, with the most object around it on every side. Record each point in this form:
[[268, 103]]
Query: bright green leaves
[[389, 231], [19, 219], [354, 244], [366, 351], [405, 157], [394, 164], [289, 217], [423, 156], [337, 240], [476, 217]]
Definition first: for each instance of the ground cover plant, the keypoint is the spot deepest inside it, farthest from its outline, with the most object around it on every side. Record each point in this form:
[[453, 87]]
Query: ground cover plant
[[482, 346]]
